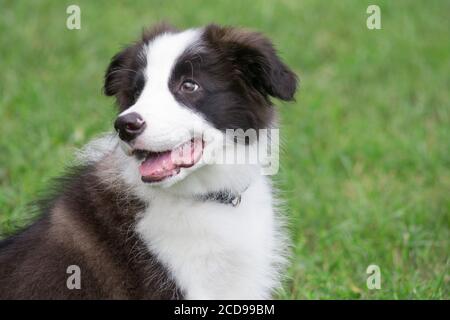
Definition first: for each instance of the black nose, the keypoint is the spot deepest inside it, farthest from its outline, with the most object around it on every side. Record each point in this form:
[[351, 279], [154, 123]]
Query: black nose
[[129, 126]]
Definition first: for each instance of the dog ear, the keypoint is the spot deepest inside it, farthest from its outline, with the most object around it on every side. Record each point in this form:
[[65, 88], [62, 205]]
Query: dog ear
[[125, 65], [114, 74], [254, 60]]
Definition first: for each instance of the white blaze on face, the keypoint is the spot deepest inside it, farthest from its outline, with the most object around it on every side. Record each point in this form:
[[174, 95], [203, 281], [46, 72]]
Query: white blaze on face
[[168, 122]]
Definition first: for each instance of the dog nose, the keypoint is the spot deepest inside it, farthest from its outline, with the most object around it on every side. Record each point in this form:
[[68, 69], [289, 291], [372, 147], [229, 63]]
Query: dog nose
[[129, 126]]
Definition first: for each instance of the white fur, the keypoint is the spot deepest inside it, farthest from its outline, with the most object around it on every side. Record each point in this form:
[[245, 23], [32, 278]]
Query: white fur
[[212, 250], [217, 251], [168, 122]]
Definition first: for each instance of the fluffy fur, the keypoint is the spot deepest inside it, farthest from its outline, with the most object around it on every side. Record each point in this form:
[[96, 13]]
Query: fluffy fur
[[133, 239]]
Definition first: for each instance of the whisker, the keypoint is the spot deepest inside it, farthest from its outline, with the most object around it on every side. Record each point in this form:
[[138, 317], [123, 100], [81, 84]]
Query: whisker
[[119, 70]]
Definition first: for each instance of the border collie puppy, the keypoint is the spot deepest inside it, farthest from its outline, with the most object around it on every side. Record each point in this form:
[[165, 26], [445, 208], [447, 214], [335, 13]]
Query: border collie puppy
[[148, 213]]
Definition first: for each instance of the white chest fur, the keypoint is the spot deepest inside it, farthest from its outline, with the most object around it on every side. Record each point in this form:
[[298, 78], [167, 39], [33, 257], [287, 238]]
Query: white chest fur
[[217, 251]]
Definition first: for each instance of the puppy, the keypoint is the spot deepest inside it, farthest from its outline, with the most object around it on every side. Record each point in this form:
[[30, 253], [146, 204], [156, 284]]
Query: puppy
[[150, 212]]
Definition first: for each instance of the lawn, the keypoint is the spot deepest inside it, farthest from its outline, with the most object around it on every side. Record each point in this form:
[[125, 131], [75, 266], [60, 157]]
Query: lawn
[[366, 146]]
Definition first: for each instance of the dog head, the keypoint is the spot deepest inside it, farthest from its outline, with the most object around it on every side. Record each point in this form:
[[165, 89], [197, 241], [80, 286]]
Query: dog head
[[179, 91]]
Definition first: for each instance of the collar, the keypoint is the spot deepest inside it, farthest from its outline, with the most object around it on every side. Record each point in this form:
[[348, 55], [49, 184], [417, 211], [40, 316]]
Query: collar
[[224, 196]]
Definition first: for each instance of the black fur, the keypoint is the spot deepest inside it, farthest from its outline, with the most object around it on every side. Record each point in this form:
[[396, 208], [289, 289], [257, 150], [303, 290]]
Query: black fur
[[124, 78], [96, 235], [89, 223], [237, 72]]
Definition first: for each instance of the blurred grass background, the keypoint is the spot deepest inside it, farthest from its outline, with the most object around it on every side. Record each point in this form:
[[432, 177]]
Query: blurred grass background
[[366, 164]]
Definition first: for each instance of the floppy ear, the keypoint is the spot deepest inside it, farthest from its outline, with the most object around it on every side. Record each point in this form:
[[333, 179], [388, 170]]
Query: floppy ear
[[124, 77], [114, 74], [255, 60]]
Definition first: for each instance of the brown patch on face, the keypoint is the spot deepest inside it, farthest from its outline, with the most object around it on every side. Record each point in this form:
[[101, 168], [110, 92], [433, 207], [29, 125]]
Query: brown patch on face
[[237, 72], [253, 60]]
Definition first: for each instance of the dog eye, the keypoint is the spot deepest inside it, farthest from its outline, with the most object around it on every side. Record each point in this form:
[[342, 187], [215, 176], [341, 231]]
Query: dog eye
[[189, 86]]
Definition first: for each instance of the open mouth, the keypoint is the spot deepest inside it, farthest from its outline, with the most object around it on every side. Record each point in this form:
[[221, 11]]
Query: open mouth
[[158, 166]]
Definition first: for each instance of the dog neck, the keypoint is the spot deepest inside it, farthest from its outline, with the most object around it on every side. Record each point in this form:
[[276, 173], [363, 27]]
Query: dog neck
[[226, 197]]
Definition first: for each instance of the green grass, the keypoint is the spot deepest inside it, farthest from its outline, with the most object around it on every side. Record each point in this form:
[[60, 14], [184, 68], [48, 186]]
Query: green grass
[[366, 163]]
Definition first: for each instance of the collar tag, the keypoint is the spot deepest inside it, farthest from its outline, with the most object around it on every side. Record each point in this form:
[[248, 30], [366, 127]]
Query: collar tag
[[236, 201]]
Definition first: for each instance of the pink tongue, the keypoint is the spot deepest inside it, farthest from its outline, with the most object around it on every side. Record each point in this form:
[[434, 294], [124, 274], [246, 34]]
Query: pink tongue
[[158, 167], [165, 164]]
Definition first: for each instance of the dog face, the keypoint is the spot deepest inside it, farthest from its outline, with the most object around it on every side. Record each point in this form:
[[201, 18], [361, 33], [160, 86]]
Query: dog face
[[179, 91]]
